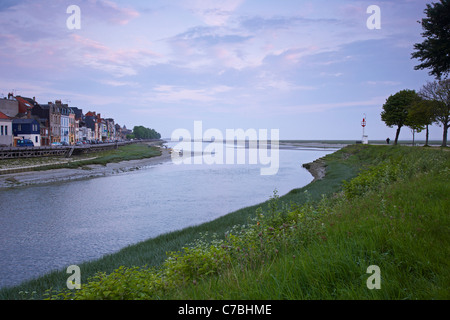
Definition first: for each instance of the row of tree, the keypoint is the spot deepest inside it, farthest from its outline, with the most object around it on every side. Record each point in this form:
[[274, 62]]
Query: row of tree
[[419, 110], [140, 132]]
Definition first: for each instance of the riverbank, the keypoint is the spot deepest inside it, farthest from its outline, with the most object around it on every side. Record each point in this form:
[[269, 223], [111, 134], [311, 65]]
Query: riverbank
[[85, 170], [52, 170], [391, 217], [153, 252], [396, 213], [317, 168]]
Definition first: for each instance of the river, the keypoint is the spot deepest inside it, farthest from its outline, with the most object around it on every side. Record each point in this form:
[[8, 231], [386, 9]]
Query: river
[[49, 227]]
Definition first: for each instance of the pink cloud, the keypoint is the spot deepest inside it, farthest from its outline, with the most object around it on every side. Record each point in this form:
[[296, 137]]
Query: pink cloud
[[88, 43], [118, 62], [112, 12]]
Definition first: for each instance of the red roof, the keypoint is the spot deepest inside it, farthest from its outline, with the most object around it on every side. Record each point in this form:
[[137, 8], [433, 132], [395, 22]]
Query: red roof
[[4, 116], [24, 105]]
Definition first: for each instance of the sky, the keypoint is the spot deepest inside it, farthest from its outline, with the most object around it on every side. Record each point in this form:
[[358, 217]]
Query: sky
[[311, 69]]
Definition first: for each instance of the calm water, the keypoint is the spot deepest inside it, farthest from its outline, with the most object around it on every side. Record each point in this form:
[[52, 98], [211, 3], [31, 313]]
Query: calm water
[[48, 227]]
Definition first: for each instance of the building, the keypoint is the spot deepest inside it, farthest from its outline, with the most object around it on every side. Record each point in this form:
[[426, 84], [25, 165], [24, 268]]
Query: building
[[102, 127], [41, 112], [49, 116], [25, 104], [78, 123], [111, 128], [125, 132], [65, 121], [45, 133], [55, 122], [27, 129], [78, 113], [6, 132], [72, 128], [90, 119], [85, 133], [9, 106]]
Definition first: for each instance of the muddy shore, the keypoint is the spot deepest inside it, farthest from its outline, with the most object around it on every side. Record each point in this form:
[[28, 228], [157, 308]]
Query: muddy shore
[[317, 168], [89, 171]]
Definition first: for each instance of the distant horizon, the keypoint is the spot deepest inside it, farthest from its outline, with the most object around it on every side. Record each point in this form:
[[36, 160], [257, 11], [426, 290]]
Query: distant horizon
[[324, 140]]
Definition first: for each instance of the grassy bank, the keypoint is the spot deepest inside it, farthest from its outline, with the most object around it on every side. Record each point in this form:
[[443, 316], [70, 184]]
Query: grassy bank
[[123, 153], [313, 243], [135, 151], [394, 216]]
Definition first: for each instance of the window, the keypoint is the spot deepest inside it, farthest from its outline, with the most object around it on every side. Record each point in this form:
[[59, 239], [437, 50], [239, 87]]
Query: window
[[1, 130], [36, 139], [6, 130]]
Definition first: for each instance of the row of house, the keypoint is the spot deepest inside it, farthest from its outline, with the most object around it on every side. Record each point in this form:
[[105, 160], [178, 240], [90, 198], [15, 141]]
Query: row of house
[[44, 124]]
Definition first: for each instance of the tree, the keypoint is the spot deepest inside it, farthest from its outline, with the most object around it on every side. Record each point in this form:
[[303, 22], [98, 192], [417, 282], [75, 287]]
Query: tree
[[395, 110], [434, 51], [421, 115], [438, 92], [414, 121], [141, 132]]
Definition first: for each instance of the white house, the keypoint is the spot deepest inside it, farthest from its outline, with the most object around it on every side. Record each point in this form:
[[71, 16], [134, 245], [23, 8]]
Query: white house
[[6, 132]]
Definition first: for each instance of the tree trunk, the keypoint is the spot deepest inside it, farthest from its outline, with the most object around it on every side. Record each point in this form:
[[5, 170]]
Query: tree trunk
[[426, 137], [444, 138], [397, 134]]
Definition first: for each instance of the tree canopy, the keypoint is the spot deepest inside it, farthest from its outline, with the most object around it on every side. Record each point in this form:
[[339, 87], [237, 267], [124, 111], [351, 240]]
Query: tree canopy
[[438, 92], [140, 132], [421, 115], [434, 51], [395, 110]]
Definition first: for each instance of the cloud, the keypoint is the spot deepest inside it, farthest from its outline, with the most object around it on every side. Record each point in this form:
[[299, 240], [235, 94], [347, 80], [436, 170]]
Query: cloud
[[7, 4], [115, 83], [212, 47], [252, 59], [45, 91], [383, 83], [329, 74], [323, 107], [269, 80], [211, 12], [171, 94], [108, 11], [264, 24], [211, 36], [117, 62]]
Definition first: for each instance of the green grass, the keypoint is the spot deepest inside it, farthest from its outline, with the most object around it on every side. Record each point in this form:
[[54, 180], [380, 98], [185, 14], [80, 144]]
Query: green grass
[[407, 240], [313, 243], [401, 225], [123, 153]]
